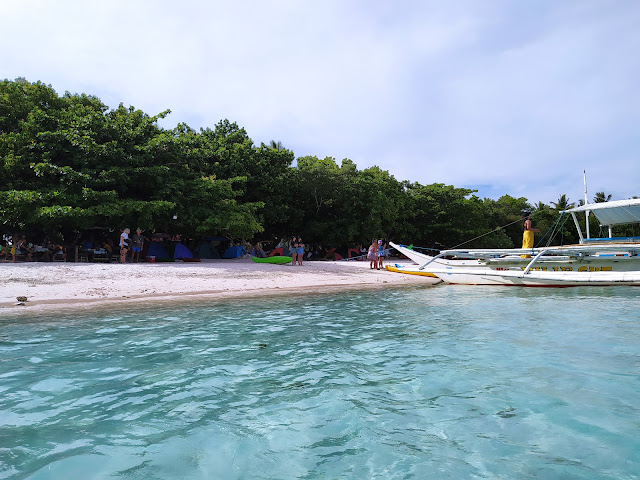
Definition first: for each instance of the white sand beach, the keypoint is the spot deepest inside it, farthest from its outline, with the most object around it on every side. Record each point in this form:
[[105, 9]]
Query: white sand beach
[[54, 286]]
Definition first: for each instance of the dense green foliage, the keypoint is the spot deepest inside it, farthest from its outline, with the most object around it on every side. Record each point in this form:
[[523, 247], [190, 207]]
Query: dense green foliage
[[69, 164]]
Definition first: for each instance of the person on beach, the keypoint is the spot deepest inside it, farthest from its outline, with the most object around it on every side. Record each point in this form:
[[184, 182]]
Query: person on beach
[[59, 255], [381, 249], [300, 251], [257, 251], [372, 255], [5, 250], [124, 245], [527, 234], [293, 249], [23, 249], [137, 241]]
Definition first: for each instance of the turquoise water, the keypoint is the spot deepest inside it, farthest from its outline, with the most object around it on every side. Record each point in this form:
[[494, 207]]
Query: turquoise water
[[445, 382]]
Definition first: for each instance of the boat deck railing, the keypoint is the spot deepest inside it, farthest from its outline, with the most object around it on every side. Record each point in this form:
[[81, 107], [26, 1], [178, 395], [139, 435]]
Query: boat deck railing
[[612, 240], [572, 251]]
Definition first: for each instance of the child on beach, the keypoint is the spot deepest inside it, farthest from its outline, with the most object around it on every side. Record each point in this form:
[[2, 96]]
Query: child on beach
[[300, 251], [293, 248]]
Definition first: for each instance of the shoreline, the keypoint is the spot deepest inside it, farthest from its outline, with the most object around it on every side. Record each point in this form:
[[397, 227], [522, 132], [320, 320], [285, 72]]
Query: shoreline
[[51, 287]]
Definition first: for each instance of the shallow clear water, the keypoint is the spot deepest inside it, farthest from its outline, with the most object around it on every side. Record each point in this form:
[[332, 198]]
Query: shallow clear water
[[445, 382]]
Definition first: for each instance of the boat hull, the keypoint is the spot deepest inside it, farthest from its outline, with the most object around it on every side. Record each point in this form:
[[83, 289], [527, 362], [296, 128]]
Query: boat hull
[[536, 279], [413, 270], [561, 271], [599, 262]]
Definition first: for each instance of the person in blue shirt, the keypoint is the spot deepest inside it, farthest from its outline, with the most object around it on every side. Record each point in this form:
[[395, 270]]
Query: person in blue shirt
[[381, 249], [300, 250]]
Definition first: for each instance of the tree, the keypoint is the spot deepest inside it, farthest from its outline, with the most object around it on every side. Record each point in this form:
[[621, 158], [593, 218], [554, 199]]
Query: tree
[[507, 213], [562, 203], [560, 233], [318, 184], [601, 197], [69, 163], [370, 202], [443, 216], [276, 145]]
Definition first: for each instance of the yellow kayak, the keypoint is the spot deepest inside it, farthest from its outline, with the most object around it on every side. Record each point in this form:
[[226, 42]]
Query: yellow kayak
[[408, 270]]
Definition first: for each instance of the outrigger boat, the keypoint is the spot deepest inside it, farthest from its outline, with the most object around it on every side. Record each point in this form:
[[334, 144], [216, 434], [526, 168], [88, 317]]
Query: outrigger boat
[[595, 261]]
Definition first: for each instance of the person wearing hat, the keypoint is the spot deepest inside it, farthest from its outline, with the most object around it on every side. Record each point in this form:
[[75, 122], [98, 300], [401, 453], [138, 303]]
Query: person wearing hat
[[381, 249], [137, 241], [527, 234]]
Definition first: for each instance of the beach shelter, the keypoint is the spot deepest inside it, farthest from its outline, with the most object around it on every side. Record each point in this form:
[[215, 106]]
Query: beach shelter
[[156, 249], [182, 251], [212, 246], [206, 251], [233, 252]]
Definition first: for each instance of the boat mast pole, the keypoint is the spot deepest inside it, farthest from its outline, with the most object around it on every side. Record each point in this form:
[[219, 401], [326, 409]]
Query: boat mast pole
[[586, 202]]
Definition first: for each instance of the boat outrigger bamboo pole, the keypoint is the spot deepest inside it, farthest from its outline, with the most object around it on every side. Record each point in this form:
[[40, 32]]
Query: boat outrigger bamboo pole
[[575, 220], [586, 202], [431, 260], [534, 260]]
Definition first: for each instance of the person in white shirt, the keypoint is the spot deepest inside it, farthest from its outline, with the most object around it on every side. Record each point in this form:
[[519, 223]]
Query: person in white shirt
[[124, 245]]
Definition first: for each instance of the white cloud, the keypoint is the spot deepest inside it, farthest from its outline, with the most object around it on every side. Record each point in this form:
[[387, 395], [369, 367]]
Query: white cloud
[[514, 96]]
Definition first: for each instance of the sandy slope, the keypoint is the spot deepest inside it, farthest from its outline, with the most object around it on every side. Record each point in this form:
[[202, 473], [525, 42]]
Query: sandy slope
[[48, 286]]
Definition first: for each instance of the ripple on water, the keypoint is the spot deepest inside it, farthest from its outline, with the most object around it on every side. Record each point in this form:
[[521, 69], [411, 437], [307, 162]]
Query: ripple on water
[[449, 382]]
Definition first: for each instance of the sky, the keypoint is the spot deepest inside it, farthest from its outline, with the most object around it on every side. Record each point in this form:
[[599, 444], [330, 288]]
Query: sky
[[508, 97]]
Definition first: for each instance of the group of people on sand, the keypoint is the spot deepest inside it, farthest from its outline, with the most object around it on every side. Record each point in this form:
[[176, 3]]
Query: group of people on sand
[[135, 244], [375, 254], [296, 248], [17, 247]]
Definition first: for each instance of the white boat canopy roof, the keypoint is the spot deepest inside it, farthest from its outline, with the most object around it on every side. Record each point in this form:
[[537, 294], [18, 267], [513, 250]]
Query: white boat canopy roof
[[612, 213]]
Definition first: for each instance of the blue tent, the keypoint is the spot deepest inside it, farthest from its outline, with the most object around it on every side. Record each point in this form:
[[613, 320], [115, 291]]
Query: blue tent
[[233, 252], [182, 251], [157, 250]]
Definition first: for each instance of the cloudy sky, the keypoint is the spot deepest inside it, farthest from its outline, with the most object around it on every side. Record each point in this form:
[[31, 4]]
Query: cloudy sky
[[510, 97]]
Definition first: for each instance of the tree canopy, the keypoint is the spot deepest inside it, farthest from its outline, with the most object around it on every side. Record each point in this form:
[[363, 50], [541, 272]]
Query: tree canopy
[[70, 163]]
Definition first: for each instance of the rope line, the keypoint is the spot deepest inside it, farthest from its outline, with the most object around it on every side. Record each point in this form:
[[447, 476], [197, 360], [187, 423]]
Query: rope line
[[491, 231], [348, 259]]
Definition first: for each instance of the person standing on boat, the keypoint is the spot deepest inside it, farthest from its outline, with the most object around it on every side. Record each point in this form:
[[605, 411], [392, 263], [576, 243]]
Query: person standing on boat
[[527, 235]]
